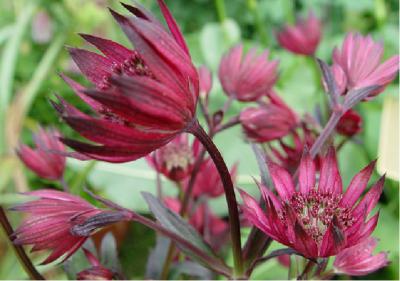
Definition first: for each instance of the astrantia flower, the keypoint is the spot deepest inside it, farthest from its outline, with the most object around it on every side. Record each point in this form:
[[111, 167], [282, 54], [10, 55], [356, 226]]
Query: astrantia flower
[[143, 97], [268, 121], [317, 220], [360, 59], [359, 259], [249, 77], [303, 38], [96, 272], [208, 182], [44, 159], [175, 160], [205, 80], [349, 124], [60, 222]]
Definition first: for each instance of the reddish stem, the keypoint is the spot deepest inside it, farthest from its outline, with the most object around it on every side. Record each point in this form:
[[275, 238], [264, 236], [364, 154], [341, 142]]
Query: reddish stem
[[230, 196], [25, 261]]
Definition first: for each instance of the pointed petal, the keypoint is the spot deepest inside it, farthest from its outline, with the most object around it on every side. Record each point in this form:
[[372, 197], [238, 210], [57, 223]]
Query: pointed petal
[[330, 180], [306, 173], [357, 185], [370, 199], [333, 241], [282, 181]]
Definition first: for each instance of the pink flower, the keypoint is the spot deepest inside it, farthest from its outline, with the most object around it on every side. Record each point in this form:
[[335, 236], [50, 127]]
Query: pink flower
[[269, 121], [247, 78], [60, 222], [360, 59], [96, 272], [349, 124], [142, 99], [212, 228], [208, 181], [303, 38], [44, 160], [175, 160], [205, 80], [316, 221], [359, 260]]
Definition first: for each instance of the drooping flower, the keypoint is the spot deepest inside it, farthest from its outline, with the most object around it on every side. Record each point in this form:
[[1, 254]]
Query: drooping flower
[[143, 98], [44, 159], [60, 222], [317, 220], [349, 124], [175, 160], [360, 58], [302, 38], [96, 272], [247, 78], [208, 182], [359, 259], [288, 155], [269, 121], [205, 80], [212, 228]]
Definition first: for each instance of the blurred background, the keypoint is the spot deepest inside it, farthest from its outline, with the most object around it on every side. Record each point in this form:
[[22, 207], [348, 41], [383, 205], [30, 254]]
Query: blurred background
[[33, 36]]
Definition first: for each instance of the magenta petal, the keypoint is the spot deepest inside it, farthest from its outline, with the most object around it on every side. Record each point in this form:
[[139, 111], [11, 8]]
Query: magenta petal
[[330, 179], [370, 199], [306, 174], [282, 181], [357, 185], [333, 241], [173, 27], [110, 49]]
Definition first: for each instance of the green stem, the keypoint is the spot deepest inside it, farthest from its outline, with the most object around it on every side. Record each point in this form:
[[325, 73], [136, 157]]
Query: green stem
[[9, 61], [220, 6], [260, 25]]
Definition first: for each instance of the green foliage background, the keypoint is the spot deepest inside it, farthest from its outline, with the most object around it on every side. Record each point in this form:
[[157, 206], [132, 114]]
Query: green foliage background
[[29, 70]]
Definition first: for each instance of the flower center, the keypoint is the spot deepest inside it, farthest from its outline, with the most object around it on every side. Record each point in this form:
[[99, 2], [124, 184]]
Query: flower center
[[132, 66], [316, 210], [176, 156]]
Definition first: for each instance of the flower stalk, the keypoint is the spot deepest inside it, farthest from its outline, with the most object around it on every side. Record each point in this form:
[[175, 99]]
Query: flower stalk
[[234, 223], [24, 259]]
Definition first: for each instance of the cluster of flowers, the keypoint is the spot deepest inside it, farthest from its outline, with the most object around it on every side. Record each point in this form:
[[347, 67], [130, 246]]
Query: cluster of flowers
[[144, 105]]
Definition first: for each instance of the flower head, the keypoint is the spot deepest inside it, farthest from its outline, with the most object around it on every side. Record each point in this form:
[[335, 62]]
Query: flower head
[[349, 124], [142, 99], [60, 222], [208, 181], [359, 260], [205, 80], [247, 78], [269, 121], [317, 220], [96, 272], [360, 59], [175, 160], [303, 38], [43, 160]]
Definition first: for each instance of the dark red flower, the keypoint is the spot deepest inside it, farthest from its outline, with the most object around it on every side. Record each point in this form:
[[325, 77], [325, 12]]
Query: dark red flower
[[175, 160], [303, 38], [247, 78], [44, 159], [143, 97], [269, 121], [60, 222], [96, 272], [349, 124], [316, 221], [359, 260], [208, 181]]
